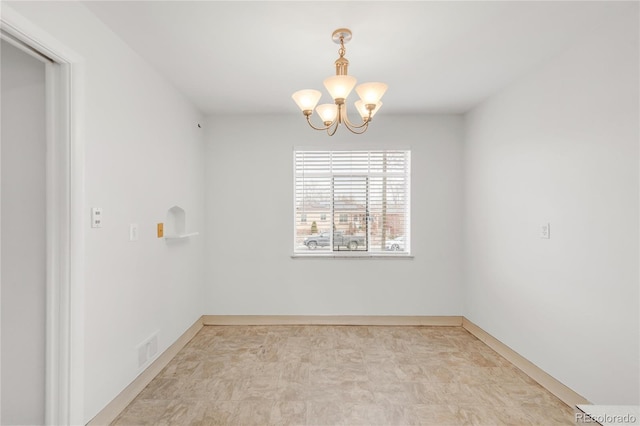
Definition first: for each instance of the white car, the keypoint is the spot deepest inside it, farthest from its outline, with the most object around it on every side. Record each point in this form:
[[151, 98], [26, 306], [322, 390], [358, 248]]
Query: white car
[[397, 244]]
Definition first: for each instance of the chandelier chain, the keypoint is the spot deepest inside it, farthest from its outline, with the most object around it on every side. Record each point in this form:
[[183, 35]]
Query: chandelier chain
[[342, 51]]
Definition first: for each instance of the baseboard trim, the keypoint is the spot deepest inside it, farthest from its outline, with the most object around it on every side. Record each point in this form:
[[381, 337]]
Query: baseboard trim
[[109, 413], [564, 393], [390, 320]]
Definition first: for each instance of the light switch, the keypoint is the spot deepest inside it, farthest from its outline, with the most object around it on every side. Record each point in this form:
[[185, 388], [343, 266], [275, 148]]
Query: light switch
[[133, 232], [545, 231], [96, 217]]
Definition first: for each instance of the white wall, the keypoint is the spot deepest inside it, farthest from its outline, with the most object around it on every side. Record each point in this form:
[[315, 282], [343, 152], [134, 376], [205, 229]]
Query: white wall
[[249, 188], [23, 237], [561, 146], [144, 154]]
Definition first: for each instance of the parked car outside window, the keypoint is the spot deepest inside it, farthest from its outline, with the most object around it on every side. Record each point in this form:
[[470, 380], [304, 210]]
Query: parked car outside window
[[396, 244]]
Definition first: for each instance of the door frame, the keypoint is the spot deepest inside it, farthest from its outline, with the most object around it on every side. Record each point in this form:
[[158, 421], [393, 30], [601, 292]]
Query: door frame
[[64, 367]]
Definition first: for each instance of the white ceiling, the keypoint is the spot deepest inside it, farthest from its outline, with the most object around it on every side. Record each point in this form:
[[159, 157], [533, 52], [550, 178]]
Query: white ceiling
[[436, 57]]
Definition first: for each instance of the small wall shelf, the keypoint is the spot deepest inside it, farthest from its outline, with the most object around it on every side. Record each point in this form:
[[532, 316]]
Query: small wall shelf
[[177, 224], [177, 237]]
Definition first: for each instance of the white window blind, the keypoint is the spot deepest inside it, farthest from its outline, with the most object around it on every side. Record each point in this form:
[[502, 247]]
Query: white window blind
[[353, 201]]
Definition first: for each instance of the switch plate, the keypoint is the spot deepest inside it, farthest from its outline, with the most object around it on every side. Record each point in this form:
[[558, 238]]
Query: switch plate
[[545, 231], [133, 232], [96, 217], [160, 230]]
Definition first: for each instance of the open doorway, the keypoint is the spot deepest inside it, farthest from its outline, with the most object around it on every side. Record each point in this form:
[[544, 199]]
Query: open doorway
[[54, 178], [23, 229]]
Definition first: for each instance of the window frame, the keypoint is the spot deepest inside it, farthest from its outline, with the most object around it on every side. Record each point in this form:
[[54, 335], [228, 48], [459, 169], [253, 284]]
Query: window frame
[[356, 254]]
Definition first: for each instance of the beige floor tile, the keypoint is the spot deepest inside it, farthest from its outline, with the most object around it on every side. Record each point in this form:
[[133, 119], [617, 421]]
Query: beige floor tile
[[219, 413], [337, 373], [430, 414], [341, 375], [247, 389], [181, 412], [141, 412], [297, 372], [326, 413], [288, 413], [396, 393]]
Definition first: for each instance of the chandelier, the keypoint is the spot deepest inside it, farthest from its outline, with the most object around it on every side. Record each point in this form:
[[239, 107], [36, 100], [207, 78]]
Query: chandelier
[[339, 87]]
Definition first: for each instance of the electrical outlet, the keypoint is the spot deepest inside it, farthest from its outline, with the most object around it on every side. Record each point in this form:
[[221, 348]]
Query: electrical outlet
[[545, 231], [160, 230], [96, 217]]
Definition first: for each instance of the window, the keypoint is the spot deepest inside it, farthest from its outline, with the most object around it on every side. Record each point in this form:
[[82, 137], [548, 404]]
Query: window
[[365, 196]]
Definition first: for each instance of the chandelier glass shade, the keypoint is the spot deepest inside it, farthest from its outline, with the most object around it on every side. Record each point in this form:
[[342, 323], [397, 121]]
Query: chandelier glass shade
[[339, 87]]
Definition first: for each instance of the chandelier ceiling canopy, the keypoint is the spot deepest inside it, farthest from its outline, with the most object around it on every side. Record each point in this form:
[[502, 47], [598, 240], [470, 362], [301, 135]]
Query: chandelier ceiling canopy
[[339, 86]]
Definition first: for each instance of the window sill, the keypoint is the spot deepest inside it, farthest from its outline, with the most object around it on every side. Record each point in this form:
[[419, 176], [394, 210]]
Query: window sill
[[352, 256]]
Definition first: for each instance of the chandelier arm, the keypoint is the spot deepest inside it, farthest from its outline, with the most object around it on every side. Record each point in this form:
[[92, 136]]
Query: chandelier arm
[[335, 127], [317, 128], [362, 128], [350, 125]]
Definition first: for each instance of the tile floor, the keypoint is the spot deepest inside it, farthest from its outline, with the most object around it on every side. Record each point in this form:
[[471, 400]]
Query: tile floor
[[341, 375]]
